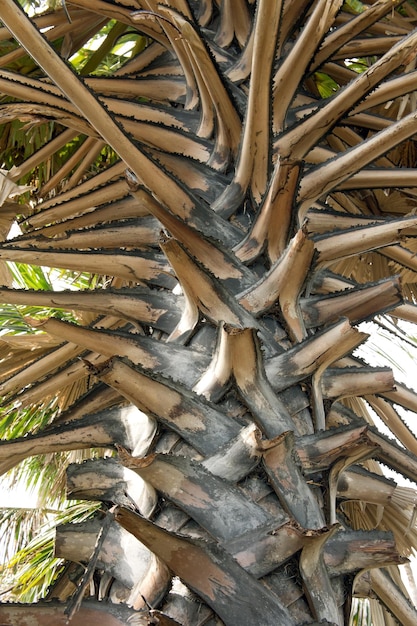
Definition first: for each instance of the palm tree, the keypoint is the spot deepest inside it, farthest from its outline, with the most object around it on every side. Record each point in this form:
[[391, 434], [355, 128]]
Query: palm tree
[[234, 182]]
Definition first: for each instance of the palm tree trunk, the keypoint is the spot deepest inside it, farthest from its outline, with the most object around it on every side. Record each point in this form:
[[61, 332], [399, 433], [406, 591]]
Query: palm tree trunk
[[212, 371]]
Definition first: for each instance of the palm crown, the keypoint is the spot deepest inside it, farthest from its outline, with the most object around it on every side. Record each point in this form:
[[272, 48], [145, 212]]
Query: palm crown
[[231, 197]]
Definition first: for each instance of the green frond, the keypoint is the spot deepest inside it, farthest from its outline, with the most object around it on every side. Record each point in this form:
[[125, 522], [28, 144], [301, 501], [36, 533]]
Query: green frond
[[361, 613], [17, 528], [31, 570], [354, 6], [25, 276], [18, 422], [326, 85]]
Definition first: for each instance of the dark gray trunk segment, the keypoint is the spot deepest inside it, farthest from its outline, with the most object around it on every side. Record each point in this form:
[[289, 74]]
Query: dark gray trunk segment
[[137, 266], [52, 613], [181, 364], [126, 425], [357, 304], [284, 470], [217, 505], [158, 309], [209, 571], [346, 552], [107, 480], [197, 421], [121, 555]]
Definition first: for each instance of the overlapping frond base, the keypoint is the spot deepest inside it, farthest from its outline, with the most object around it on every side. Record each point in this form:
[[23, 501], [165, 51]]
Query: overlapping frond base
[[224, 198]]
